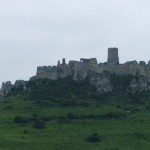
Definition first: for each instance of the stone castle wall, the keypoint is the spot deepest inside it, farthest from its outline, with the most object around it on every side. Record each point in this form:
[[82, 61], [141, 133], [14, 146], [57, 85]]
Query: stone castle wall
[[79, 69]]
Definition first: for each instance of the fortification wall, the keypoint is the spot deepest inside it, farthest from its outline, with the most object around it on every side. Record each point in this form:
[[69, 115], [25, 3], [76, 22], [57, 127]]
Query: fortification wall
[[54, 72], [79, 69], [129, 68]]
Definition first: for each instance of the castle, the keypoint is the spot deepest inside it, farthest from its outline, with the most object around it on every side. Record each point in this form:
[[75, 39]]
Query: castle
[[99, 74], [80, 69]]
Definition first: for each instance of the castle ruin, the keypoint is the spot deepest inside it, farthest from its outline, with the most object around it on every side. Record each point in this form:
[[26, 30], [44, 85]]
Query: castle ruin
[[98, 73], [79, 69]]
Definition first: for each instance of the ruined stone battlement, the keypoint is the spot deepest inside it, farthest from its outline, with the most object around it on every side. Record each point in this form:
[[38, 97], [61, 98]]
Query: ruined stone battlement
[[81, 68], [99, 74]]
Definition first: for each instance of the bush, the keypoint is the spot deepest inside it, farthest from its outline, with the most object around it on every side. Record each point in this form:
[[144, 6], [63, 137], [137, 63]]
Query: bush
[[25, 132], [121, 83], [10, 107], [139, 136], [65, 89], [39, 124], [72, 116], [20, 119], [113, 115], [93, 138]]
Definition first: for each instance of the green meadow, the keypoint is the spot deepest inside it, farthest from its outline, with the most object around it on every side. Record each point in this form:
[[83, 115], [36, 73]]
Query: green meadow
[[108, 122]]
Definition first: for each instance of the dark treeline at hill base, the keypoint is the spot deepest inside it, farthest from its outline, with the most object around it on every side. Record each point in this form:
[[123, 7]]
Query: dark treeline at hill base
[[67, 92]]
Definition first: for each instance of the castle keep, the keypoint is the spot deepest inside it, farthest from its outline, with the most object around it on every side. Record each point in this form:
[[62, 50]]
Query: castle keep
[[99, 74], [113, 57]]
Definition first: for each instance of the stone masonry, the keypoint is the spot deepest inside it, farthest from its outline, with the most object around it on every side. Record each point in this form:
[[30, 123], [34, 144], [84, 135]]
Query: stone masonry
[[113, 57]]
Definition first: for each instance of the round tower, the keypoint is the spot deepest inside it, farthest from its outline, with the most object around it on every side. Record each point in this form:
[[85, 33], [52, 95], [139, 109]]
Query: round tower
[[113, 57]]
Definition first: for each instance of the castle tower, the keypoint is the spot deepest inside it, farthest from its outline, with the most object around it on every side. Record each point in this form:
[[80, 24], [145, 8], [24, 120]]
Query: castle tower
[[63, 61], [58, 64], [113, 57]]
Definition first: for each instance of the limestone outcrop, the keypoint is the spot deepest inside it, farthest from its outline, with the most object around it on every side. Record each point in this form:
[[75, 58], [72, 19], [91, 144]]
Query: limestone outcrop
[[21, 84], [102, 82], [139, 84], [7, 87]]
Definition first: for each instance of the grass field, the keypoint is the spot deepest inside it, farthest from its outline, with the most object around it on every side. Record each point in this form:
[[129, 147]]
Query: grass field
[[131, 132]]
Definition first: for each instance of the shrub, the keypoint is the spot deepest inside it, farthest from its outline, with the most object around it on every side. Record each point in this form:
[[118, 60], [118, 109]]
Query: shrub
[[72, 116], [66, 89], [39, 124], [113, 115], [20, 119], [10, 107], [139, 136], [25, 132], [121, 83], [93, 138]]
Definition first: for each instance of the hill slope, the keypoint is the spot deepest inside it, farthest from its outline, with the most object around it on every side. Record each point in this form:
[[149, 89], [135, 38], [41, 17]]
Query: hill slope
[[68, 115]]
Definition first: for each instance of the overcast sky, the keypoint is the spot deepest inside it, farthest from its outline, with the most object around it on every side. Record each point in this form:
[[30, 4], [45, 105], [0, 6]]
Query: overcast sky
[[39, 32]]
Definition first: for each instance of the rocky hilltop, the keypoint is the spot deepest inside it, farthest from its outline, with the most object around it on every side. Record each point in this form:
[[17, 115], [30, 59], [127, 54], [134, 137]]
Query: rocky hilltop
[[99, 74]]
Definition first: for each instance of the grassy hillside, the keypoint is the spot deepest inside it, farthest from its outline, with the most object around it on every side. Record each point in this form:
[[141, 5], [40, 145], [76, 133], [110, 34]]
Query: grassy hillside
[[65, 115]]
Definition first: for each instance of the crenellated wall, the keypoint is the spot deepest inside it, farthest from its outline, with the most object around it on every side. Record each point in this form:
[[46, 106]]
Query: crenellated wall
[[82, 67]]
